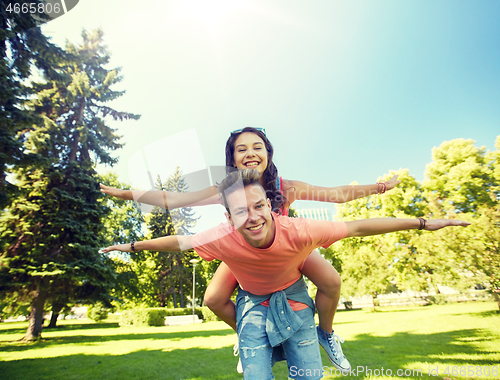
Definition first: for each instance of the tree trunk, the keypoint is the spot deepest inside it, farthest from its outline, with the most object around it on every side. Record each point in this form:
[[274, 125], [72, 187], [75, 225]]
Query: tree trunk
[[375, 300], [496, 295], [162, 298], [174, 296], [181, 293], [35, 326], [53, 320], [56, 309]]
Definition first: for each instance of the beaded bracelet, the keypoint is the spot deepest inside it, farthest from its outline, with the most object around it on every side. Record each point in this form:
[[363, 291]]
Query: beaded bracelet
[[132, 246], [384, 187]]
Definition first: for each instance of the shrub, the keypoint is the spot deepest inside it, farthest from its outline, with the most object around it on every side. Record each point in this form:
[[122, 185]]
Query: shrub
[[155, 316], [208, 315], [97, 312]]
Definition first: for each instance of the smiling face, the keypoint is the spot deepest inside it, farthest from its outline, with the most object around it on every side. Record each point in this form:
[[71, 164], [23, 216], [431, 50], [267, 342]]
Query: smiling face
[[250, 152], [250, 213]]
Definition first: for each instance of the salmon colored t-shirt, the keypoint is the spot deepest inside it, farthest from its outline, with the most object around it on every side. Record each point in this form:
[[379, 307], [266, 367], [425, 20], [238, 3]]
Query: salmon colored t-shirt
[[264, 271]]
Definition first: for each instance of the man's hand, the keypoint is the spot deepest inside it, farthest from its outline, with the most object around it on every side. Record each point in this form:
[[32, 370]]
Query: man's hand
[[377, 226], [437, 224]]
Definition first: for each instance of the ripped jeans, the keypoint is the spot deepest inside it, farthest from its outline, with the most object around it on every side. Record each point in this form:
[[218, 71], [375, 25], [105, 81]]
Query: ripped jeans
[[256, 354]]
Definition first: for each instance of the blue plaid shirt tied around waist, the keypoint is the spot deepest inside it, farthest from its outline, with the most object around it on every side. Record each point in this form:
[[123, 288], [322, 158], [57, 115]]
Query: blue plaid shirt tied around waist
[[282, 322]]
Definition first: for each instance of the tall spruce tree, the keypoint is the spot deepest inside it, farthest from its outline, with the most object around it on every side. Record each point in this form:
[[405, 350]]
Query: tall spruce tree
[[171, 269], [183, 220], [52, 232], [159, 224], [23, 48]]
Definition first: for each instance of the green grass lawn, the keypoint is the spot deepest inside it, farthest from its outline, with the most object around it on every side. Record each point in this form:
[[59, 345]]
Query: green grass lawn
[[460, 337]]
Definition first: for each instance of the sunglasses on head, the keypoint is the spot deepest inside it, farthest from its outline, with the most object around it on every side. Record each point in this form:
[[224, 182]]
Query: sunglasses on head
[[263, 130]]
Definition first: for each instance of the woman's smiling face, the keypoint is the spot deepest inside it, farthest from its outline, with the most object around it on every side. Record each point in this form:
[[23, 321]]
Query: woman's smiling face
[[250, 152]]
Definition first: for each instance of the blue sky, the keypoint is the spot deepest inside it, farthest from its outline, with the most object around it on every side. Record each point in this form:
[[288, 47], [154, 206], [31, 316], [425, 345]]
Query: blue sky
[[347, 90]]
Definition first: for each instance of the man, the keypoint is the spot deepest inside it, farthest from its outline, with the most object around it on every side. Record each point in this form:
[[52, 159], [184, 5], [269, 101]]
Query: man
[[275, 315]]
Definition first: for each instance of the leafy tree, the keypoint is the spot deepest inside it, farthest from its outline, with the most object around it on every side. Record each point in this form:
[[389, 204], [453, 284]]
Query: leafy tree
[[460, 178], [462, 182], [464, 258], [368, 264], [493, 160], [51, 234], [484, 249], [122, 225]]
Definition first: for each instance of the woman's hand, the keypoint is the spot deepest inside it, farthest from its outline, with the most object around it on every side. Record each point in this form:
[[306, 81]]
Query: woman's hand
[[118, 247], [437, 224], [393, 182], [118, 193]]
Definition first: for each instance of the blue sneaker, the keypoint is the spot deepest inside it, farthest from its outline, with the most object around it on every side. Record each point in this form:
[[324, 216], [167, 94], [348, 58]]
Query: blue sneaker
[[331, 344]]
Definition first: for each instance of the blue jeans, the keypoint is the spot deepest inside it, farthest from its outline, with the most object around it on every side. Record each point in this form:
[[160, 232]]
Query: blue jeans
[[301, 349]]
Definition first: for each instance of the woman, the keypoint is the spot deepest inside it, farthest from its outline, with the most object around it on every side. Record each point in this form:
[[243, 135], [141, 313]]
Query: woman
[[249, 148]]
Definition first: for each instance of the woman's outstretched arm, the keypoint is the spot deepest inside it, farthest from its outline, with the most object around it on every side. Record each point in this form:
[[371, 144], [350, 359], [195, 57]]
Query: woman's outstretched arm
[[166, 199], [297, 190]]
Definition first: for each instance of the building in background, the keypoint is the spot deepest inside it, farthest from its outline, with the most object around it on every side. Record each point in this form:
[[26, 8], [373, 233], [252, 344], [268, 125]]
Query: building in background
[[315, 213]]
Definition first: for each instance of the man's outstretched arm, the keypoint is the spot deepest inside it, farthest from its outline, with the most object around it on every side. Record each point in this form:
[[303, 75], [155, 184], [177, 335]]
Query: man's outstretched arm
[[376, 226]]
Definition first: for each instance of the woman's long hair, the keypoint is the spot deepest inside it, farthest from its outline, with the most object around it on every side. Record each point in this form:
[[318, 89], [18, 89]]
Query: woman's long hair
[[269, 175]]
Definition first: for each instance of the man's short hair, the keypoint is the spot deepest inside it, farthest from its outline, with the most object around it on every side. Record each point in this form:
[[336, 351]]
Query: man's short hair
[[238, 180]]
